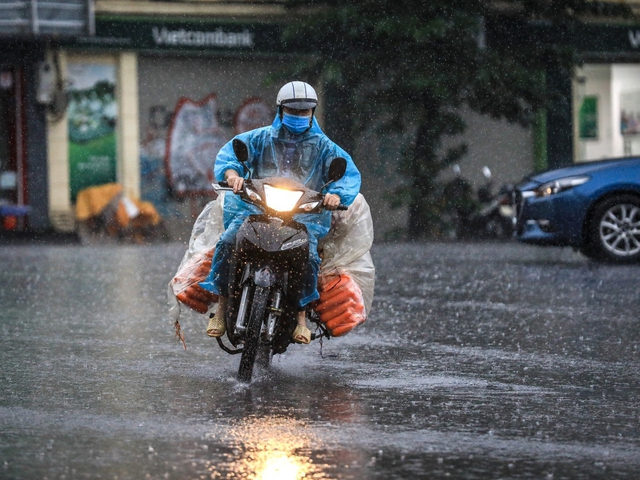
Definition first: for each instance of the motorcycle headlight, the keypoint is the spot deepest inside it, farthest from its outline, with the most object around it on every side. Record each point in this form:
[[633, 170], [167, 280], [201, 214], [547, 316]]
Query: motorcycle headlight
[[561, 185], [281, 200]]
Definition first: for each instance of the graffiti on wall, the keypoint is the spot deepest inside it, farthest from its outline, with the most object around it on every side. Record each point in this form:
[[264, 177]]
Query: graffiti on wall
[[253, 113], [179, 146], [193, 141]]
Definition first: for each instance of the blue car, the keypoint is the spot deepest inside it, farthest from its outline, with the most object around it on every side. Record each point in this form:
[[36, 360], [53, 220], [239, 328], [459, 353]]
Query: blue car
[[593, 207]]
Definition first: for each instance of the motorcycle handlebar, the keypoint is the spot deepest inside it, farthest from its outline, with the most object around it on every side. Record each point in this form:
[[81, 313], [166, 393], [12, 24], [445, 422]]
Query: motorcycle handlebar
[[224, 184]]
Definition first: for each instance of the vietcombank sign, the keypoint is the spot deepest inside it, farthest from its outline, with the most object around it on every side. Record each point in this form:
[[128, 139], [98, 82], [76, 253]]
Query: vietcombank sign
[[220, 38], [184, 35]]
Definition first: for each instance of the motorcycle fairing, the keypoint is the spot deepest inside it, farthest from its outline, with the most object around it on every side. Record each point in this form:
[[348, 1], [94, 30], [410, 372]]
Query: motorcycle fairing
[[271, 234]]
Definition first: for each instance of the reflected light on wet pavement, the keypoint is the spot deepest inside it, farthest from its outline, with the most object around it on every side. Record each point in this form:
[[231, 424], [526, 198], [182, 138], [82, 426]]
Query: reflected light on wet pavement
[[269, 449]]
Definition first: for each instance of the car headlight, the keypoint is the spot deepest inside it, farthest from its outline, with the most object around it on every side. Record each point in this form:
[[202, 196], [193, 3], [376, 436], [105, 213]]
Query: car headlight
[[561, 185], [281, 200]]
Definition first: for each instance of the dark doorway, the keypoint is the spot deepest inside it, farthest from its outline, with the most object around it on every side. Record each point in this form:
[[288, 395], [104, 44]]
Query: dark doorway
[[12, 156]]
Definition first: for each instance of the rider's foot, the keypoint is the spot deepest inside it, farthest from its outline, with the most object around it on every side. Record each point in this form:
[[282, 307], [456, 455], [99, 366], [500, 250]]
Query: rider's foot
[[301, 334], [216, 327]]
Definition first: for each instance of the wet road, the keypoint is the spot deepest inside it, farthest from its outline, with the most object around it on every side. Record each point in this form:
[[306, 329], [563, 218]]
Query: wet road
[[478, 361]]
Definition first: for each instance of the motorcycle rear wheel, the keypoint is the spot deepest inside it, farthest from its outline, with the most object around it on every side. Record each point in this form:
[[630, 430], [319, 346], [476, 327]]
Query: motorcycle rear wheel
[[252, 338]]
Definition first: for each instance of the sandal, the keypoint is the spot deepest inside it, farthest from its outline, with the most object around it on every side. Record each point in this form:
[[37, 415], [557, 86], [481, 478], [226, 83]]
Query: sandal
[[216, 327], [301, 335]]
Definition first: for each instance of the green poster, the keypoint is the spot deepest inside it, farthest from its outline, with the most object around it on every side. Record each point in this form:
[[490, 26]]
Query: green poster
[[588, 119], [92, 114]]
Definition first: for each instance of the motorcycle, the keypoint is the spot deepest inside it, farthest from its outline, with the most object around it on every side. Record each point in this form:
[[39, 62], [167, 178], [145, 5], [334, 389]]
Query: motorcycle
[[494, 220], [268, 262], [488, 216]]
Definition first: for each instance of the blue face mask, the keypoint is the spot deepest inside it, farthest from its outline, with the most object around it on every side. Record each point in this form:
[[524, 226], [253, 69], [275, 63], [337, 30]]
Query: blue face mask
[[295, 124]]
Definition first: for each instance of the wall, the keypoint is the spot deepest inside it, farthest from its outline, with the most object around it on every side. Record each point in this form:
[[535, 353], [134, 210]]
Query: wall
[[507, 149], [162, 82], [60, 212]]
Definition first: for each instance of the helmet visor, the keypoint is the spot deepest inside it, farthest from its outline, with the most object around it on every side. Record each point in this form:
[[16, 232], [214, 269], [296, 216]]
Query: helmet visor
[[300, 103]]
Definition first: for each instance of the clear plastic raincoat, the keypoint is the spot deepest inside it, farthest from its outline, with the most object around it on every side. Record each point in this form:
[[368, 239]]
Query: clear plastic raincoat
[[276, 152]]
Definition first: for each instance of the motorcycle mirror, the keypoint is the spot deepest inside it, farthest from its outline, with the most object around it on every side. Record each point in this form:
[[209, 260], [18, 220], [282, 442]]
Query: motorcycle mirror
[[337, 169], [241, 151]]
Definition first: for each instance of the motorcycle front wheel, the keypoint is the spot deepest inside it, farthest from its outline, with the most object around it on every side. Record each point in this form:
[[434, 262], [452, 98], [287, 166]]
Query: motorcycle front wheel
[[252, 338]]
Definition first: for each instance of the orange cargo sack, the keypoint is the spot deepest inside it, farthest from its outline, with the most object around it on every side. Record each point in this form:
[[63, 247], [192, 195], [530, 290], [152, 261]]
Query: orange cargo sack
[[185, 283], [341, 306]]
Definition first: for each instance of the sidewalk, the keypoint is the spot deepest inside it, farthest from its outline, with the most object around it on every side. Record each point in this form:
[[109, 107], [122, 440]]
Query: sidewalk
[[46, 237]]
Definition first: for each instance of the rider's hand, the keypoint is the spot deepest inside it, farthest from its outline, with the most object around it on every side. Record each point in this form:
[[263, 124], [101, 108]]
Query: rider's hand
[[331, 201], [235, 181]]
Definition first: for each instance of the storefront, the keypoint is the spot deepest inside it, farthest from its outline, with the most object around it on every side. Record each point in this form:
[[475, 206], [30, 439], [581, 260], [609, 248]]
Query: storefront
[[30, 96], [606, 94], [23, 192], [13, 191]]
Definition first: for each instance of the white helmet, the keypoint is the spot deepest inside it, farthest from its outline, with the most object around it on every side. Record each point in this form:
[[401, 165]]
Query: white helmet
[[298, 95]]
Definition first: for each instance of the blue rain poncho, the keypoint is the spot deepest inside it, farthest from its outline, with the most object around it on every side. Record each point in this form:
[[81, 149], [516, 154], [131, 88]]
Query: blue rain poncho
[[275, 152]]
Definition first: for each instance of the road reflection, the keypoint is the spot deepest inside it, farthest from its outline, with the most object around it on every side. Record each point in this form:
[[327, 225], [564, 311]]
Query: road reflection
[[268, 448], [279, 431]]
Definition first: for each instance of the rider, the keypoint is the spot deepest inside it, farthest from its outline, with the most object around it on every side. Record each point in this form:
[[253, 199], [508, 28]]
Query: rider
[[293, 146]]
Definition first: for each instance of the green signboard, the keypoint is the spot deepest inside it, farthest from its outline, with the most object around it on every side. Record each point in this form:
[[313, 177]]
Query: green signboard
[[185, 35], [92, 114], [588, 118], [588, 39], [206, 35]]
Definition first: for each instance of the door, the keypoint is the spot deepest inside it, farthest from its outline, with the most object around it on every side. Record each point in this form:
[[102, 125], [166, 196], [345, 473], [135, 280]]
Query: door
[[12, 162]]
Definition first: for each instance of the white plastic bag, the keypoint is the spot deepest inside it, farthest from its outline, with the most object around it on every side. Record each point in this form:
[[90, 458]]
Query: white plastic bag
[[346, 247], [205, 234]]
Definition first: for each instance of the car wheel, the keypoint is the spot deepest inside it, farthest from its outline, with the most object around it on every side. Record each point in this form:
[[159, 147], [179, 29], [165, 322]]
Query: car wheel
[[614, 232]]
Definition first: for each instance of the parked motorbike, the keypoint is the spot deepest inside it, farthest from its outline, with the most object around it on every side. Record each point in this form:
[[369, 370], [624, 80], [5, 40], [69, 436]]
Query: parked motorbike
[[269, 259], [483, 215]]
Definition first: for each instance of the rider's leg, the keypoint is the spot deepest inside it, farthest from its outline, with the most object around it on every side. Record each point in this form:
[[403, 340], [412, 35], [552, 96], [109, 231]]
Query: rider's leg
[[217, 327], [302, 334], [217, 281]]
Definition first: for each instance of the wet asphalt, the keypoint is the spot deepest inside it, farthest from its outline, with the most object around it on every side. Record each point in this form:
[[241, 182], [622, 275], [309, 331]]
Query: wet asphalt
[[478, 361]]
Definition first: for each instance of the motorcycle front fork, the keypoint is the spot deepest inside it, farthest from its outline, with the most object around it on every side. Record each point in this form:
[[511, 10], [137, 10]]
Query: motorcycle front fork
[[242, 310], [274, 312]]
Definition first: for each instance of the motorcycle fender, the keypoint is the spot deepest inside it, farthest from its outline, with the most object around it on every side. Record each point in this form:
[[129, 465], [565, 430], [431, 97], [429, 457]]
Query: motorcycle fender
[[264, 277]]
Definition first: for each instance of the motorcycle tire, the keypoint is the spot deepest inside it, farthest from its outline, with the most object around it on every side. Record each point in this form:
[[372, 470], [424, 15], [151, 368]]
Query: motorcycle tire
[[252, 338], [264, 355]]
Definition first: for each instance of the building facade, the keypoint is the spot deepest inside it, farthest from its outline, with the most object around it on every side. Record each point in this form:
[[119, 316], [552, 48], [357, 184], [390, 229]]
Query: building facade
[[153, 89]]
